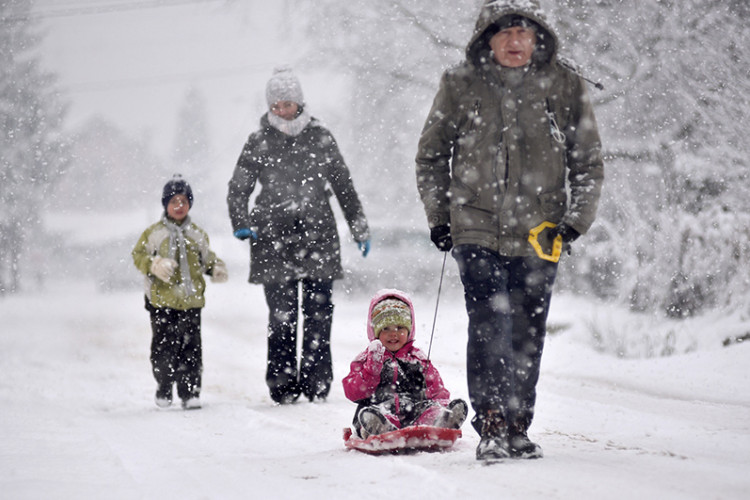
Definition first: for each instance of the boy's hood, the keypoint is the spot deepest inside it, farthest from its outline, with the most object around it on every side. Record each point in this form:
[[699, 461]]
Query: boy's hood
[[384, 294]]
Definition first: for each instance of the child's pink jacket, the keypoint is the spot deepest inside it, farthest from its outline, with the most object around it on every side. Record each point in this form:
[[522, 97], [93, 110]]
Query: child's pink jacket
[[365, 371]]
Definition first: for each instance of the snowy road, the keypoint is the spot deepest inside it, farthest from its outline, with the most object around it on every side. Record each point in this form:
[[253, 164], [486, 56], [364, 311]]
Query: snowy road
[[78, 419]]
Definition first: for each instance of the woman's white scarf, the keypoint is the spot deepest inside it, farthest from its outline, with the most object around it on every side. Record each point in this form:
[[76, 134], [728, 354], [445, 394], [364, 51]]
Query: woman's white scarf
[[290, 127], [178, 252]]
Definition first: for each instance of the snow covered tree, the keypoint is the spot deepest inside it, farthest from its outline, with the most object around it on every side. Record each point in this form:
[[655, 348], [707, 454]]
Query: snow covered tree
[[393, 53], [32, 148], [672, 229], [117, 159], [673, 222], [194, 158], [192, 145]]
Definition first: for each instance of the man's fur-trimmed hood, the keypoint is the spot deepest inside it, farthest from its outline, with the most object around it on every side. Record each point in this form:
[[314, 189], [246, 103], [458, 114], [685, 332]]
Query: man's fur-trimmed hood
[[478, 48]]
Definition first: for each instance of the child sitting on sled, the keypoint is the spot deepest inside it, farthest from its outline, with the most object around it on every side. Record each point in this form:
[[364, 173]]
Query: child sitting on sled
[[392, 381]]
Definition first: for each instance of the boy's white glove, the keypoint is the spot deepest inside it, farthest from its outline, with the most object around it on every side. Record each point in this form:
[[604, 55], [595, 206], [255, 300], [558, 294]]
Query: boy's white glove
[[219, 273], [163, 268]]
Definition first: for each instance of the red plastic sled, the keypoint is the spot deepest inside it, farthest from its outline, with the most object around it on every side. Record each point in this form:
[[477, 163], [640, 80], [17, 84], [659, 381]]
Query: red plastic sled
[[406, 440]]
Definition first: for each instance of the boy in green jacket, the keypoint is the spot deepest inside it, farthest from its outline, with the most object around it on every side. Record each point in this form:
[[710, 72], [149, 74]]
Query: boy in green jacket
[[174, 254]]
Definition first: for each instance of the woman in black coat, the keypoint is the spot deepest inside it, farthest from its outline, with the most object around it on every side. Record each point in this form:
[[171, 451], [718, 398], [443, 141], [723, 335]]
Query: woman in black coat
[[294, 241]]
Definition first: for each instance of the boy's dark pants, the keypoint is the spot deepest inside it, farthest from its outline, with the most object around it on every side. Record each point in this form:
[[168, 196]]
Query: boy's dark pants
[[507, 301], [315, 370], [176, 353]]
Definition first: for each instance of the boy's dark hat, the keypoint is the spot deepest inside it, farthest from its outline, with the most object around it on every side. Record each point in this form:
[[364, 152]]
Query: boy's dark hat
[[176, 185]]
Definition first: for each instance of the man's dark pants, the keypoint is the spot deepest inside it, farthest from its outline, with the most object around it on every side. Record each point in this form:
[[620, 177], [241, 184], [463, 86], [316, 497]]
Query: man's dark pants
[[507, 301]]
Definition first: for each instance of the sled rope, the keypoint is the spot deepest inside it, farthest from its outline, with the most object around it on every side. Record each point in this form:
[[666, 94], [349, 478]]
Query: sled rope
[[437, 302]]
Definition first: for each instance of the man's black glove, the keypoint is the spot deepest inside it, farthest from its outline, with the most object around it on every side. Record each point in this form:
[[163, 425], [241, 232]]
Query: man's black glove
[[441, 237], [569, 235]]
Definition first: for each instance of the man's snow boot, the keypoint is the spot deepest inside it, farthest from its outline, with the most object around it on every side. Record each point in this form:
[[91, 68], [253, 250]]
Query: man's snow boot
[[493, 443], [520, 446], [453, 416], [374, 423], [492, 448]]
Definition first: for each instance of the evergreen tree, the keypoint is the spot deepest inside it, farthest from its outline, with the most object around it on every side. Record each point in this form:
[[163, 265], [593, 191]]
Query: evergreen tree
[[672, 230], [394, 53], [125, 169], [673, 221], [32, 149], [191, 146]]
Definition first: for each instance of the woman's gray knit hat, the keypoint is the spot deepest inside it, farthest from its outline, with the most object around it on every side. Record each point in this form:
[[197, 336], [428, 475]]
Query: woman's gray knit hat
[[284, 86]]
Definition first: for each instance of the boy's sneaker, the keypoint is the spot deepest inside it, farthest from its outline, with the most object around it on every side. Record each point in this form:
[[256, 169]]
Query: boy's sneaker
[[193, 403], [520, 446], [163, 397], [373, 423], [453, 416], [162, 402], [493, 444]]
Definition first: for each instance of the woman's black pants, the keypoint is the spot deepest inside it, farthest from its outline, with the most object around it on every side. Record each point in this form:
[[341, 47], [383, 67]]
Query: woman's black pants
[[313, 378]]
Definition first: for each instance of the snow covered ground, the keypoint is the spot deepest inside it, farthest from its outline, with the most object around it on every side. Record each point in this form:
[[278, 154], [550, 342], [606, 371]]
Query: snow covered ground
[[78, 418]]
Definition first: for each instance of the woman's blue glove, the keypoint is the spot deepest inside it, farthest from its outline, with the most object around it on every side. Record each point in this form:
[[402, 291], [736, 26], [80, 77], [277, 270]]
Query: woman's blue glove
[[364, 247], [245, 233]]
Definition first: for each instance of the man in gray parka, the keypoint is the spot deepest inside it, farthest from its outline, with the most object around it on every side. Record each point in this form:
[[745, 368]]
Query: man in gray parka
[[510, 150]]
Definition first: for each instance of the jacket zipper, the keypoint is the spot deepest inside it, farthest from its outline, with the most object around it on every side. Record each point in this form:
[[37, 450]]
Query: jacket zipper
[[554, 130], [475, 115]]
